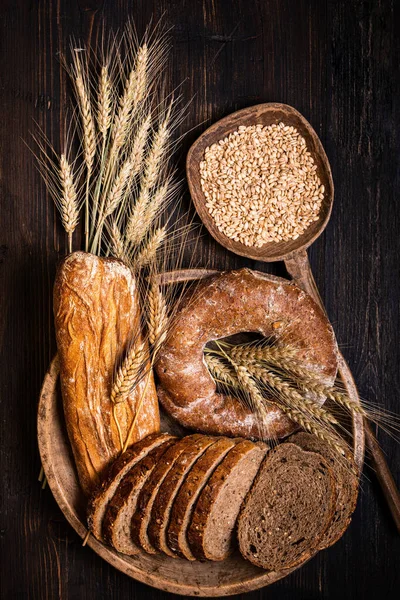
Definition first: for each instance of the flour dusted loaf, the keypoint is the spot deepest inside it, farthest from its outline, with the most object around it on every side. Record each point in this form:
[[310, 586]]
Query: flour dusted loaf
[[288, 510], [97, 318], [227, 304]]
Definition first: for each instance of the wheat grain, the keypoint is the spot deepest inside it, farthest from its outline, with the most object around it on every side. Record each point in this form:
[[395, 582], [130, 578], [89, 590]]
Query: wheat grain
[[261, 184], [104, 102], [149, 251], [128, 373]]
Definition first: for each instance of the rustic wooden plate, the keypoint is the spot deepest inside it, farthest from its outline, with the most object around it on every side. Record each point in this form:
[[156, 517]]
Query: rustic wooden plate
[[232, 576]]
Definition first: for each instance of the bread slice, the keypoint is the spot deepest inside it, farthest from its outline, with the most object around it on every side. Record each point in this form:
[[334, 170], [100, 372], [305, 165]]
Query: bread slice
[[149, 491], [160, 514], [118, 515], [211, 531], [188, 494], [345, 470], [288, 509], [100, 499]]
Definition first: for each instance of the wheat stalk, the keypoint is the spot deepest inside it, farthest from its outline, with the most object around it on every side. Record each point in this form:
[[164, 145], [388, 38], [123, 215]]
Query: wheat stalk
[[128, 373], [149, 251], [117, 242], [221, 372], [117, 191], [252, 353], [157, 317], [313, 427], [290, 394], [135, 88], [104, 103], [145, 211], [68, 206], [89, 132]]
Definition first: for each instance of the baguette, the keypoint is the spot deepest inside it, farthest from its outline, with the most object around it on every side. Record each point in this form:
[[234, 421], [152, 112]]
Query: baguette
[[97, 319]]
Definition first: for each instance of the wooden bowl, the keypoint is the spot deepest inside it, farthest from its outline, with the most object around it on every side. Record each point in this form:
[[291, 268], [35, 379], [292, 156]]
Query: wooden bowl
[[232, 576], [264, 114]]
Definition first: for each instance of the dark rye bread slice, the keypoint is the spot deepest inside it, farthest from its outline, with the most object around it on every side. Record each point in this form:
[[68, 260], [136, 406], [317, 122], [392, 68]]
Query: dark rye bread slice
[[288, 509], [211, 531], [160, 514], [148, 493], [100, 499], [345, 471], [188, 494], [117, 519]]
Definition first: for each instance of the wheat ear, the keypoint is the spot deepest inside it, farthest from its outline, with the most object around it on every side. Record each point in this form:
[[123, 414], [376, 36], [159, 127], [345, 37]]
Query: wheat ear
[[252, 353], [145, 211], [291, 395], [157, 318], [221, 373], [104, 103], [135, 88], [128, 373], [68, 205], [117, 242], [312, 427], [89, 133], [149, 251], [118, 189]]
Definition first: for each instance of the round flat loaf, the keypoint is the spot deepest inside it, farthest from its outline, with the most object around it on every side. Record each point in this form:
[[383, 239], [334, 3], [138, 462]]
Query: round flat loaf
[[188, 494], [288, 509], [162, 505], [345, 471], [144, 506], [118, 515], [100, 499], [211, 531], [227, 304]]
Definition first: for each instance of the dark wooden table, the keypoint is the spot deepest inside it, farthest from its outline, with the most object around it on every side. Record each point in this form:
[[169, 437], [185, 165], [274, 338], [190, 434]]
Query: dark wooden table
[[337, 63]]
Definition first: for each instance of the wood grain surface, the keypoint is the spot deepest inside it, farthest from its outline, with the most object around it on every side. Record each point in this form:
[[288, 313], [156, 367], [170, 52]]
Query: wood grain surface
[[336, 61]]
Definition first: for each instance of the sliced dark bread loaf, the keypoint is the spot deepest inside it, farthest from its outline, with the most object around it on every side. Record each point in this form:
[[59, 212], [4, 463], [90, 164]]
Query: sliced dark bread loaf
[[344, 469], [211, 531], [288, 509], [118, 515], [188, 494], [99, 501], [149, 491], [160, 514]]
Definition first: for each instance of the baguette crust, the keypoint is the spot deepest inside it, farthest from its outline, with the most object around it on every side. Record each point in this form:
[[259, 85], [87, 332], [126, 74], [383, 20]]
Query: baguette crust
[[97, 317], [227, 304]]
